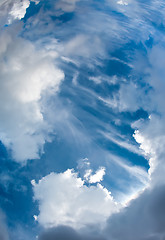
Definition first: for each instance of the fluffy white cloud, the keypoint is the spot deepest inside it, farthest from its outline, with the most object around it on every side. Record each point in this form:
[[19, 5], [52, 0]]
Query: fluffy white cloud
[[122, 2], [94, 178], [151, 137], [25, 76], [64, 199], [150, 134], [18, 10], [11, 10]]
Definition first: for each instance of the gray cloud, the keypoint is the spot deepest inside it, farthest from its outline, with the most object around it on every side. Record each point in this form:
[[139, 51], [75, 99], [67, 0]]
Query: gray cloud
[[60, 233], [143, 219], [3, 228], [67, 233]]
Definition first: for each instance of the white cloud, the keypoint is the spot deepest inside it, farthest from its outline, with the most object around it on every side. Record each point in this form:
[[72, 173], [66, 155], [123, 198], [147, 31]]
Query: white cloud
[[150, 134], [130, 97], [11, 10], [64, 199], [18, 10], [151, 137], [96, 80], [25, 76], [83, 45], [111, 80], [66, 5], [98, 176], [122, 2]]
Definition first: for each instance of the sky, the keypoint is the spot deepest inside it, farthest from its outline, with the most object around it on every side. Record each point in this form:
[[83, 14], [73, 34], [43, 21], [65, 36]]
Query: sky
[[82, 114]]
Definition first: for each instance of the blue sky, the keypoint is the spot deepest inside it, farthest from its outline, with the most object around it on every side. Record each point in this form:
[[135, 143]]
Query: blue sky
[[82, 119]]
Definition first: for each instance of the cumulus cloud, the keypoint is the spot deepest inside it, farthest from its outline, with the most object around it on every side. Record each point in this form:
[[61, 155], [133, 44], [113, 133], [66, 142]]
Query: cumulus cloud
[[18, 10], [151, 137], [26, 75], [150, 134], [143, 219], [11, 10], [64, 199], [94, 178]]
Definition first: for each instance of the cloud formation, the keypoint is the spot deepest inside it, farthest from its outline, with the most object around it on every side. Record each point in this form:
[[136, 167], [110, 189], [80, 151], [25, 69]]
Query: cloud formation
[[64, 199], [66, 5], [142, 220], [26, 74], [12, 10], [68, 233], [60, 233], [144, 217], [18, 10], [96, 177]]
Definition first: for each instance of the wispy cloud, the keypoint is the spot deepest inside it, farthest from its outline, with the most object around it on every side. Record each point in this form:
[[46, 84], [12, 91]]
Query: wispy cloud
[[122, 143]]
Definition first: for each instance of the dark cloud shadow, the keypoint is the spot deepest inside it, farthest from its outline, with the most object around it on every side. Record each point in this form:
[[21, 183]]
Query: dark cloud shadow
[[68, 233]]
